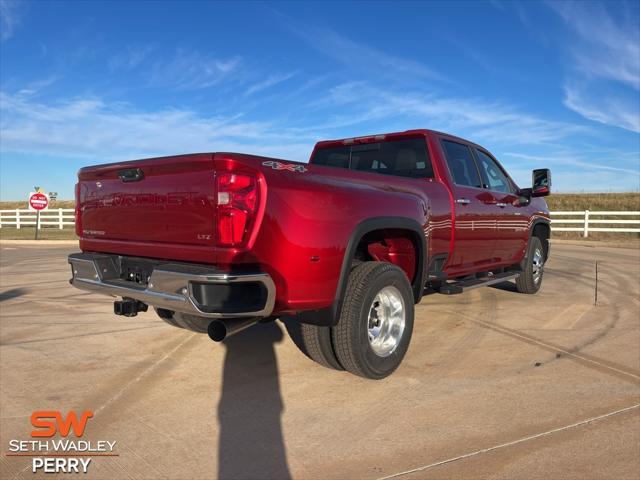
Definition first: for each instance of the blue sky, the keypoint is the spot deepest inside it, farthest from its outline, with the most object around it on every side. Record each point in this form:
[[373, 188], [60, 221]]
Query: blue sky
[[539, 84]]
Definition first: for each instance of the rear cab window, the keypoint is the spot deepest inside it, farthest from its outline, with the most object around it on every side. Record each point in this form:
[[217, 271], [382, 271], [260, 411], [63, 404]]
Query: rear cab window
[[332, 157], [403, 158]]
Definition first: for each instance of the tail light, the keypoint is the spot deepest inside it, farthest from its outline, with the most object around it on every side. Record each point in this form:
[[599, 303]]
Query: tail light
[[237, 205], [76, 213]]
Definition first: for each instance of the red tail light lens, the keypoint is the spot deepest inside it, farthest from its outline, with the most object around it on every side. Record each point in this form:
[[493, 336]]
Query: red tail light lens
[[237, 204]]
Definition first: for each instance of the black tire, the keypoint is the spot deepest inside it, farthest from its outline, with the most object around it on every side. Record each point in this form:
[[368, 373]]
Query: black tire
[[314, 341], [351, 335], [530, 279]]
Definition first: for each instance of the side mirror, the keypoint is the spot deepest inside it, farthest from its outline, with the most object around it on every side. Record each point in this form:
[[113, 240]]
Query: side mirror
[[541, 180]]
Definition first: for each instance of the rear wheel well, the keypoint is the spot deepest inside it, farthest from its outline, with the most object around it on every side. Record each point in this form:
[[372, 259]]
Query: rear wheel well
[[400, 247], [367, 233], [543, 232]]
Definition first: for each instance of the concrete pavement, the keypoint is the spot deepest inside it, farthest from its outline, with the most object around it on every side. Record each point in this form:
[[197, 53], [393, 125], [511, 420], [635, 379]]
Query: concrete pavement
[[495, 384]]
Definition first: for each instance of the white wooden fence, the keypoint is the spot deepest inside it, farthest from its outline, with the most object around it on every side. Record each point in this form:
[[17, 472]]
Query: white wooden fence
[[580, 221], [22, 217], [601, 221]]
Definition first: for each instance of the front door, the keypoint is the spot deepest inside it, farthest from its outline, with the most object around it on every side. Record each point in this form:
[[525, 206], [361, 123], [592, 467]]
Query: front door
[[511, 223]]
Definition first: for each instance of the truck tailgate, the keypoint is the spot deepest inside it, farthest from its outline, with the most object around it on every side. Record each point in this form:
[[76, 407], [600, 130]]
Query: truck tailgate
[[155, 201]]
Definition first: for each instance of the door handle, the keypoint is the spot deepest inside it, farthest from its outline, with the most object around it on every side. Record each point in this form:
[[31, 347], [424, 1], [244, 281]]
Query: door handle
[[501, 205], [463, 201]]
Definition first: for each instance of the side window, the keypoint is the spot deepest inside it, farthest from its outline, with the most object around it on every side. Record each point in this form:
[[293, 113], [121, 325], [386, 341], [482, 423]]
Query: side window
[[492, 175], [461, 164]]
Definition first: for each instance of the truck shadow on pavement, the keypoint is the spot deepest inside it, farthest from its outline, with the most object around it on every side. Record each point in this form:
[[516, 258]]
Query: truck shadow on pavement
[[251, 444], [13, 293], [505, 286]]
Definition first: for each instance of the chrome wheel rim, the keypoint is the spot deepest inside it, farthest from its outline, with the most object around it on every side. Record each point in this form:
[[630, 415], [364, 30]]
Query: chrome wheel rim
[[386, 321], [538, 264]]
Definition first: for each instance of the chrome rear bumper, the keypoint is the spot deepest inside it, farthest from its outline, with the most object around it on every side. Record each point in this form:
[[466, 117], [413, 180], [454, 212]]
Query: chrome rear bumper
[[177, 286]]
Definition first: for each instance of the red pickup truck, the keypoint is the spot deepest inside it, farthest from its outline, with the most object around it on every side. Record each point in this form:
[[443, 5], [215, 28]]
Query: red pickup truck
[[341, 247]]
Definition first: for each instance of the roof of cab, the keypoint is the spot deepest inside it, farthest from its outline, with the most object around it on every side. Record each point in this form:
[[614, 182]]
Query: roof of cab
[[385, 136]]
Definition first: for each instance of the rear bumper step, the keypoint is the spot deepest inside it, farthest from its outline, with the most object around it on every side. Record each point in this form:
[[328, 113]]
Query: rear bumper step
[[201, 291]]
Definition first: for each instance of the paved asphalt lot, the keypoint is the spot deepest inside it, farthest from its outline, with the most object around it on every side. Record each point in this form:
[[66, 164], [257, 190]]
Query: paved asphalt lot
[[495, 385]]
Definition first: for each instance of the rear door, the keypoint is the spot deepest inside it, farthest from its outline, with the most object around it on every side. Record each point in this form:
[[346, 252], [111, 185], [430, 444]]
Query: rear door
[[512, 223], [155, 201], [474, 211]]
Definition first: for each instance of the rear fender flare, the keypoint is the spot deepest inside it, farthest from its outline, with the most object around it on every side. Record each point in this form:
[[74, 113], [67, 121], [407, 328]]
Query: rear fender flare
[[331, 315]]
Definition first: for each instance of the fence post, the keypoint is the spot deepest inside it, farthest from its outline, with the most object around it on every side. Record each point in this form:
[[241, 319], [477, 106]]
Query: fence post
[[586, 223], [17, 219], [60, 218]]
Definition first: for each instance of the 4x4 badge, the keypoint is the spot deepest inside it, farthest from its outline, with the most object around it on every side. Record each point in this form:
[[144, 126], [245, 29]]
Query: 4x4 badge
[[285, 166]]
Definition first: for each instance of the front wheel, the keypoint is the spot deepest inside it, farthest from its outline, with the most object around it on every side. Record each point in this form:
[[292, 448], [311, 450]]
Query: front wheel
[[376, 320], [530, 279]]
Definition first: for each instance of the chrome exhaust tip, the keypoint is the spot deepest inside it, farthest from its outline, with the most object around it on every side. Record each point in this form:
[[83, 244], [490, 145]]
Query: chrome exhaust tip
[[218, 330]]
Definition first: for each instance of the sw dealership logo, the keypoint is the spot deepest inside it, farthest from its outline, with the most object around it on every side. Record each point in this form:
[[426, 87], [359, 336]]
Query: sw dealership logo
[[60, 455]]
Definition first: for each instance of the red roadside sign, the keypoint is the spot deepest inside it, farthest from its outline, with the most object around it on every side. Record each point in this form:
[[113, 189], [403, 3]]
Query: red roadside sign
[[38, 201]]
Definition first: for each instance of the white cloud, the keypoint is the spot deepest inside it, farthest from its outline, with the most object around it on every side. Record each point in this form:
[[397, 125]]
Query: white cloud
[[191, 70], [608, 48], [562, 158], [604, 77], [579, 180], [37, 86], [9, 17], [131, 57], [88, 127], [482, 120], [363, 58], [577, 170], [96, 131], [269, 82], [181, 69], [609, 108], [585, 181]]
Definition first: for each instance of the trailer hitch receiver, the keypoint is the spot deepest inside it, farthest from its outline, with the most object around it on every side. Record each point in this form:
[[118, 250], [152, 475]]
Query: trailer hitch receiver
[[129, 307]]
